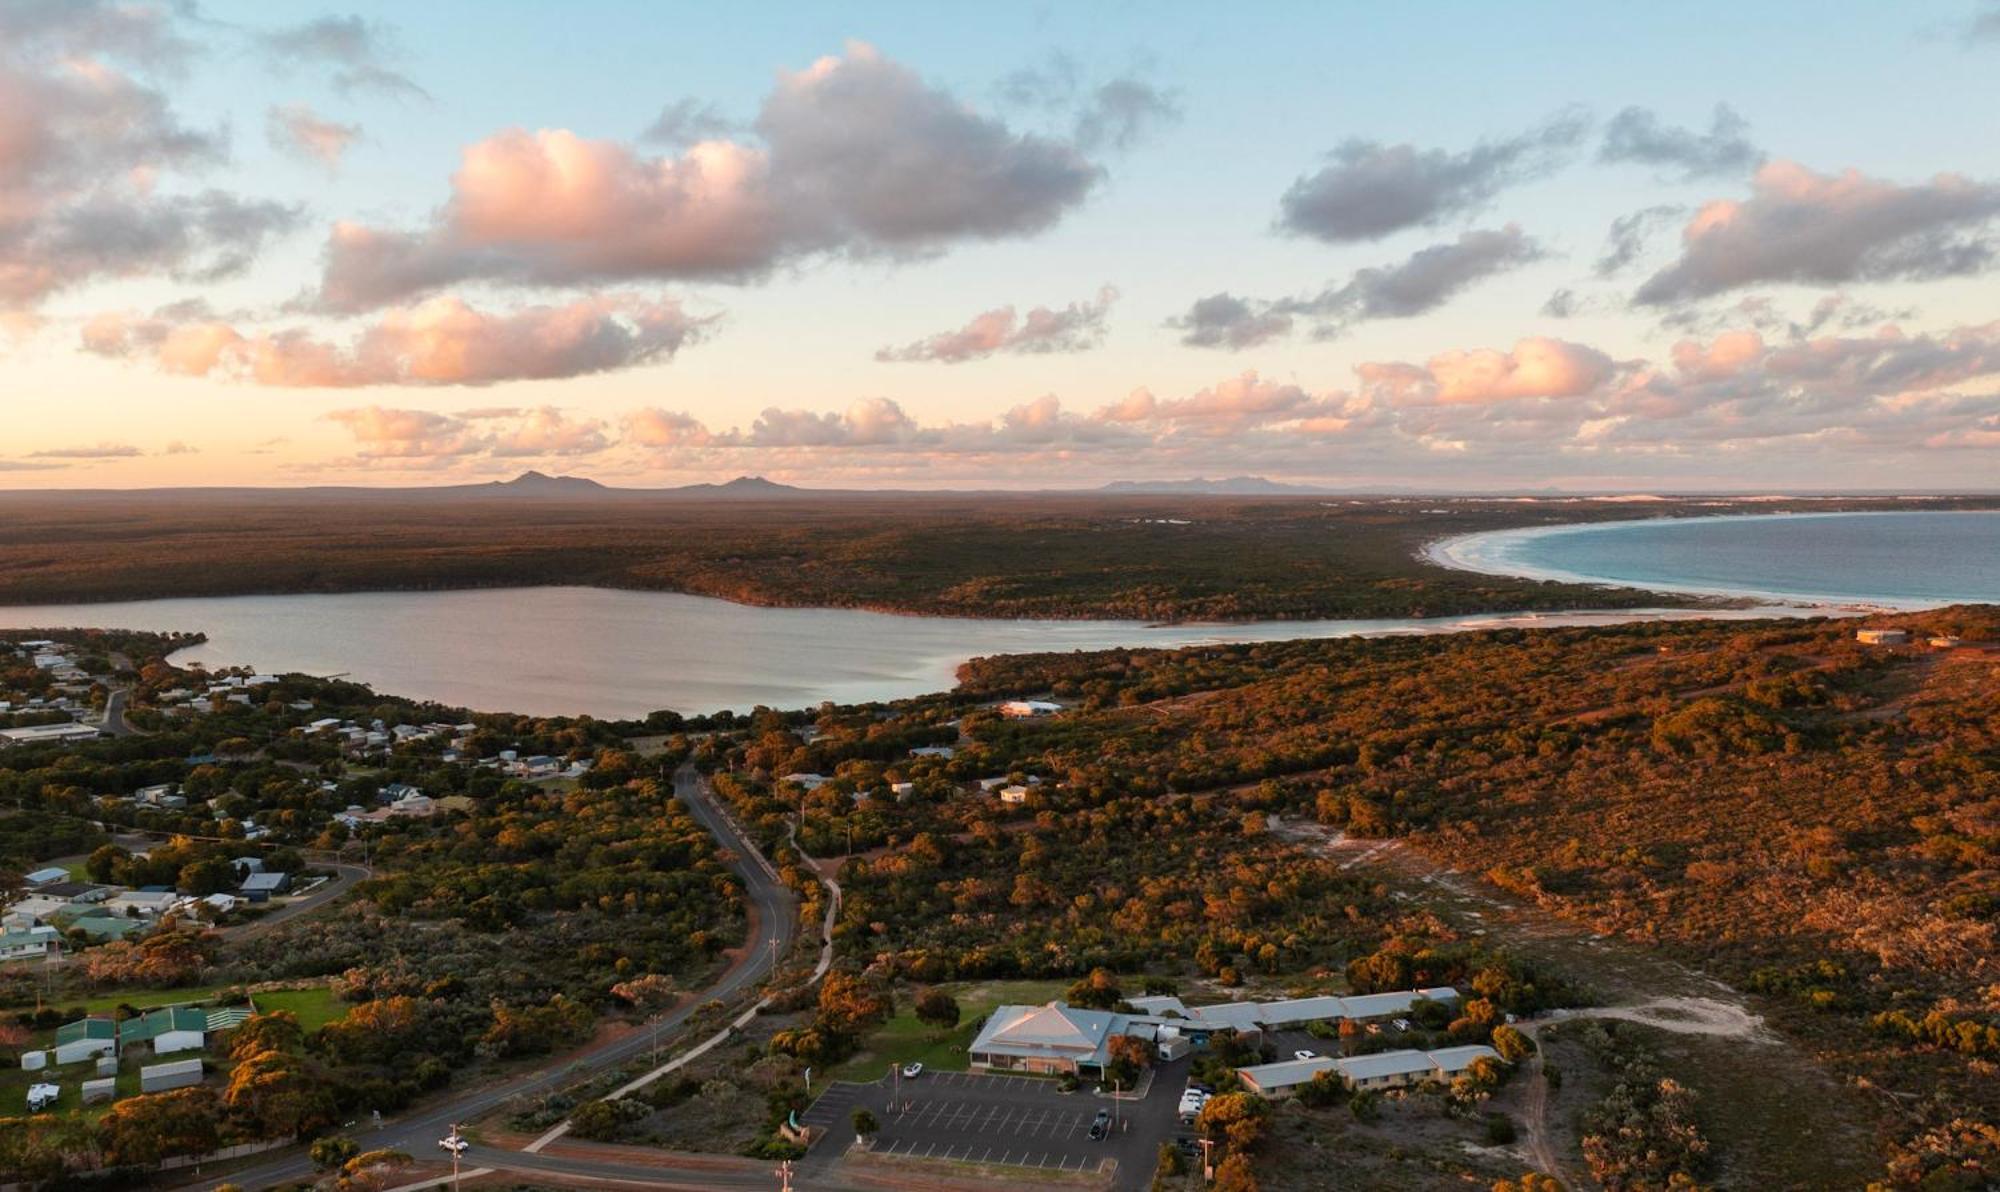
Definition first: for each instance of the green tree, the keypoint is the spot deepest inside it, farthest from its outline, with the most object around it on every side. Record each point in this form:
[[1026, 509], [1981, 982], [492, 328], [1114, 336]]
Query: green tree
[[1098, 991], [332, 1151], [939, 1009], [865, 1123]]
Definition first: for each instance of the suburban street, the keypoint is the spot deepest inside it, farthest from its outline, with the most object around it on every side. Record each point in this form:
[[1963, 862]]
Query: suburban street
[[772, 919]]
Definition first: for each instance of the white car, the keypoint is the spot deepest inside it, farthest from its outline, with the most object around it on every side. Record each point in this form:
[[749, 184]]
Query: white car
[[1401, 1024], [454, 1144], [912, 1070], [1303, 1054]]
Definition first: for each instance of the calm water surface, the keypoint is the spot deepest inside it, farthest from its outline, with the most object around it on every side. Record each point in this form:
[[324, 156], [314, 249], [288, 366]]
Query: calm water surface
[[1912, 560], [555, 651]]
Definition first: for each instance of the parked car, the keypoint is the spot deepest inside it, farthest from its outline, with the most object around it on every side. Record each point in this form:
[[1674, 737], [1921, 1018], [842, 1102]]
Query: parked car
[[912, 1070], [1100, 1125], [1401, 1024], [1303, 1054]]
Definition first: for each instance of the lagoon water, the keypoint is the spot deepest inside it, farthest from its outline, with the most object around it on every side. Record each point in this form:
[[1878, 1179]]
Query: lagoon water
[[557, 651], [1896, 559]]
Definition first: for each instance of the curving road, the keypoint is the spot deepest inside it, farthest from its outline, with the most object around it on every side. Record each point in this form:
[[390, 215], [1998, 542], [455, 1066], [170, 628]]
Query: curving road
[[772, 925]]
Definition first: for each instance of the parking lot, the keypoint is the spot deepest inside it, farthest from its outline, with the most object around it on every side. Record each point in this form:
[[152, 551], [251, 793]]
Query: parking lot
[[1019, 1121]]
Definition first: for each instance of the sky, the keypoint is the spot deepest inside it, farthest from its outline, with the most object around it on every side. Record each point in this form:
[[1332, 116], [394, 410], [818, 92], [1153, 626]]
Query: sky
[[1454, 247]]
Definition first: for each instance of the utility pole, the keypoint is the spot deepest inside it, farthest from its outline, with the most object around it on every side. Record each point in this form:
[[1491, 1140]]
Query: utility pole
[[1207, 1168], [785, 1176], [456, 1147]]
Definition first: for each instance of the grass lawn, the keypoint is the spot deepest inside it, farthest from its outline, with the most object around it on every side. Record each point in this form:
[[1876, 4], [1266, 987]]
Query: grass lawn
[[313, 1007], [903, 1039], [14, 1083]]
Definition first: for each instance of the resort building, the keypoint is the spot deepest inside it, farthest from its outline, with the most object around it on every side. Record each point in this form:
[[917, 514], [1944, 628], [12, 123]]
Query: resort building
[[1382, 1070], [1060, 1038], [1050, 1039]]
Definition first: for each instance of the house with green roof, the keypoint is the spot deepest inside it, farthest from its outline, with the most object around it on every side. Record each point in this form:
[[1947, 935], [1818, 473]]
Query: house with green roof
[[85, 1038], [178, 1028], [102, 926]]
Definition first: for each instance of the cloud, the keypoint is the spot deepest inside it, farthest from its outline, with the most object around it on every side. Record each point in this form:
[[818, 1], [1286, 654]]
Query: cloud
[[1561, 304], [1077, 327], [356, 51], [30, 465], [85, 142], [1629, 234], [1636, 135], [1116, 114], [858, 156], [385, 433], [177, 447], [1418, 284], [686, 122], [1371, 189], [1537, 367], [294, 128], [100, 451], [442, 341], [1227, 321], [1718, 407], [1123, 112], [1821, 229], [1984, 25]]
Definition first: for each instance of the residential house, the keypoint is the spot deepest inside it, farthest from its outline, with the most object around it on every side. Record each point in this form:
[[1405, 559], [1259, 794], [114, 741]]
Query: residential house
[[31, 944], [1882, 637], [180, 1028], [80, 893], [146, 903], [47, 876], [259, 887], [84, 1039], [1028, 709]]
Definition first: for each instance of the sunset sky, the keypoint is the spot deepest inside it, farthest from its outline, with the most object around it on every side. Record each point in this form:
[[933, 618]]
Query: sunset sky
[[1458, 246]]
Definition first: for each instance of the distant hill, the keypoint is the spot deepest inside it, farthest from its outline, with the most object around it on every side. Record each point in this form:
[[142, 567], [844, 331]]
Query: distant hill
[[542, 484], [1234, 486], [742, 486]]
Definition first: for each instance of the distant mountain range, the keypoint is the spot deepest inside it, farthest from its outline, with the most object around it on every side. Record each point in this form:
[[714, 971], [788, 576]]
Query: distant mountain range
[[1234, 486]]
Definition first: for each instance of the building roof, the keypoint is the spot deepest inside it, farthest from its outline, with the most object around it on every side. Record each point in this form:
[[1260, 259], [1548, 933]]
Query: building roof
[[151, 1026], [1375, 1005], [1384, 1063], [86, 1028], [266, 881], [1288, 1074], [171, 1068], [54, 873], [1054, 1029], [1159, 1004], [70, 890], [1458, 1059]]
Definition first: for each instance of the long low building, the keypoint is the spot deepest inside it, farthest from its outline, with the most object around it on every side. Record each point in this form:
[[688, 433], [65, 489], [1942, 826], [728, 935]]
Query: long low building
[[1059, 1038], [1382, 1070], [1293, 1012]]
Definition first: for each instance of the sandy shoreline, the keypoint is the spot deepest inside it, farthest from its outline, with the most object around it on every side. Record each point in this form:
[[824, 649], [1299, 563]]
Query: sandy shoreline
[[1488, 553]]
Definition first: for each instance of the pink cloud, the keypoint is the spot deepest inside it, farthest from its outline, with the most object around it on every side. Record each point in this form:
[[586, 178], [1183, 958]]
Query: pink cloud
[[440, 342], [857, 154], [1537, 367]]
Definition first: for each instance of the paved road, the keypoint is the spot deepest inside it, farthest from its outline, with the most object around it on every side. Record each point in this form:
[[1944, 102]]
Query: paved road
[[417, 1133], [345, 874], [114, 722]]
